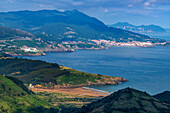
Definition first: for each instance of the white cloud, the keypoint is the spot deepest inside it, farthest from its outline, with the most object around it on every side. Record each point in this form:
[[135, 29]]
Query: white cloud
[[61, 10], [130, 5], [151, 0], [146, 4], [106, 10], [77, 3]]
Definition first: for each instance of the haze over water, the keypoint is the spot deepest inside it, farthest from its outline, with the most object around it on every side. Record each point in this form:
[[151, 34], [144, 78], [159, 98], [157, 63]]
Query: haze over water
[[147, 69]]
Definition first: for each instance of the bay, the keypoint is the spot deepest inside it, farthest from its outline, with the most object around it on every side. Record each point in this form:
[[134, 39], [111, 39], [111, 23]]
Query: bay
[[146, 69]]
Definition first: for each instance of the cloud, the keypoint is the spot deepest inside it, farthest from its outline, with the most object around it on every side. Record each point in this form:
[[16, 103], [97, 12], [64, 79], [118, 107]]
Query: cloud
[[146, 4], [77, 3], [130, 5], [106, 10]]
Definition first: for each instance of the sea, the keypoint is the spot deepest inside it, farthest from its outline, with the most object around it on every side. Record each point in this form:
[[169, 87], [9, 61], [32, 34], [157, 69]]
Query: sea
[[146, 69]]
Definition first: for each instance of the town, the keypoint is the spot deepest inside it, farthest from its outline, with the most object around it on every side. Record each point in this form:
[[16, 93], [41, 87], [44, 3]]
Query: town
[[127, 44]]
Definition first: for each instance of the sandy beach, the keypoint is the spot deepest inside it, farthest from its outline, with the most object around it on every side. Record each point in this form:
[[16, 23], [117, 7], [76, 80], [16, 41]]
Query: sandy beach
[[78, 91]]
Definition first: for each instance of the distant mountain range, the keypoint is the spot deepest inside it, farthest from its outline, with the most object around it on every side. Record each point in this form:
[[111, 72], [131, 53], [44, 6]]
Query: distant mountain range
[[127, 101], [66, 26], [141, 28]]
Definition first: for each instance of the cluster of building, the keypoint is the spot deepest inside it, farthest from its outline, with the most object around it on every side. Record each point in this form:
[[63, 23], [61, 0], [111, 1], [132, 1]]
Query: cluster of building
[[130, 44], [136, 44], [29, 49], [73, 42]]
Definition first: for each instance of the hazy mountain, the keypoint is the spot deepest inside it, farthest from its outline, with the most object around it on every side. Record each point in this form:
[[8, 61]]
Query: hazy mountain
[[126, 101], [68, 25], [141, 28]]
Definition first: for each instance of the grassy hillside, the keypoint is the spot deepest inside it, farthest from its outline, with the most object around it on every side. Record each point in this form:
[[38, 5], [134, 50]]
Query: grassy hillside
[[16, 98], [52, 75], [126, 101], [7, 33]]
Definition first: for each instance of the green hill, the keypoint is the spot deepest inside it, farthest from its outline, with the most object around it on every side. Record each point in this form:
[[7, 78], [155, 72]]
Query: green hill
[[165, 96], [66, 26], [7, 33], [126, 101], [15, 42], [52, 75], [16, 98]]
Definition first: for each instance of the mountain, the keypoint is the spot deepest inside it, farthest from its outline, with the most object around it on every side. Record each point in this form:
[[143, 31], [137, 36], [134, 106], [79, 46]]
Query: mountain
[[141, 28], [50, 75], [126, 101], [66, 26], [165, 96], [16, 98]]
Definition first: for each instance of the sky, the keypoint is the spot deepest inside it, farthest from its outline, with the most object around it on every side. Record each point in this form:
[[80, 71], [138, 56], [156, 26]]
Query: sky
[[136, 12]]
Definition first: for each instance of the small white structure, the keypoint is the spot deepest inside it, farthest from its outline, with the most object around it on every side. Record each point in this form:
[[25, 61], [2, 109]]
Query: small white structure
[[30, 49]]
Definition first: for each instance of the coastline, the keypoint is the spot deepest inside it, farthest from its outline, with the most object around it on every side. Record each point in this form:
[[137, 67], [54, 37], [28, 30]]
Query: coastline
[[74, 91], [96, 90], [44, 51]]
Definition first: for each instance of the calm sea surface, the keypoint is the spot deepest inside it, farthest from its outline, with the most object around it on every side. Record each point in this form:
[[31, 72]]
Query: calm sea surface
[[147, 69]]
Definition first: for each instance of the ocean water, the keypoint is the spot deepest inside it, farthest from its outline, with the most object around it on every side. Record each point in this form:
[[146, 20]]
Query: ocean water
[[146, 69]]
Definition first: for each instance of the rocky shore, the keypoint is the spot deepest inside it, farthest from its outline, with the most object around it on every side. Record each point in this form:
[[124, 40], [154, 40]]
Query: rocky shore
[[116, 81], [107, 81]]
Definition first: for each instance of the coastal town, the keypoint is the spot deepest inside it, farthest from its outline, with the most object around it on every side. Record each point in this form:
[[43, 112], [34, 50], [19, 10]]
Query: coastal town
[[108, 43], [26, 48], [128, 44]]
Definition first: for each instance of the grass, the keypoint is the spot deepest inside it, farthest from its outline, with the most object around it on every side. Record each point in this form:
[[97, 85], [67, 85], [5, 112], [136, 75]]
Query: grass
[[66, 102]]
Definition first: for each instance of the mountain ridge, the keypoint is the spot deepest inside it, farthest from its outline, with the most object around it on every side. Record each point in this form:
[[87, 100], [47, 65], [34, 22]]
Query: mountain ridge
[[68, 25], [127, 100], [141, 28]]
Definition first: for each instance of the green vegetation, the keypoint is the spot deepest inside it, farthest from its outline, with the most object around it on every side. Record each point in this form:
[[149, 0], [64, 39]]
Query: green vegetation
[[16, 98], [7, 33], [66, 102], [2, 54], [126, 101], [50, 74], [77, 77], [64, 98], [19, 43], [85, 46], [28, 43]]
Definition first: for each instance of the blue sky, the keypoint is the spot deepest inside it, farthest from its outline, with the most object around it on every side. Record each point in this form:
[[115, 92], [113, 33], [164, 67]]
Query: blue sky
[[109, 11]]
